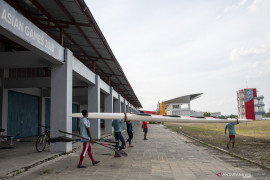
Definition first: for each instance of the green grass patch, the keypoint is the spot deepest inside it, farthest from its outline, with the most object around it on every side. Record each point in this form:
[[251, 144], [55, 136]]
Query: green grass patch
[[252, 139]]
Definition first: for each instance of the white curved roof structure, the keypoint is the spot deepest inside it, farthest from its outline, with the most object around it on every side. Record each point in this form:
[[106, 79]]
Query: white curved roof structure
[[183, 99]]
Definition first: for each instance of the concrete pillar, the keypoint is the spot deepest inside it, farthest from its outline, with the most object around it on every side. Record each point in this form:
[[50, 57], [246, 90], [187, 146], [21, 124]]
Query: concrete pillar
[[117, 105], [128, 108], [123, 106], [42, 111], [123, 109], [108, 107], [3, 100], [94, 106], [61, 101]]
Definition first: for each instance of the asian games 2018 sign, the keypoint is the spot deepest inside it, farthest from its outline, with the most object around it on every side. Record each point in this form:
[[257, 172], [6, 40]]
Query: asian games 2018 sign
[[14, 22]]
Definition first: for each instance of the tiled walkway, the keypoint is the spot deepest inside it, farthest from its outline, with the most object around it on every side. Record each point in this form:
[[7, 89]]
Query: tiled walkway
[[165, 155]]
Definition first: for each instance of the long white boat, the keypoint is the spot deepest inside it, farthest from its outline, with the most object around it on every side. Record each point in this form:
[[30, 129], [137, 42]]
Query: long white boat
[[157, 118]]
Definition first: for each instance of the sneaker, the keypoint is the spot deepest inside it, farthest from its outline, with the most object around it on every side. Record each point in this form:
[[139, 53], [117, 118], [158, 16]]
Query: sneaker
[[80, 166], [228, 146], [95, 162], [122, 147], [145, 139], [117, 155], [131, 146]]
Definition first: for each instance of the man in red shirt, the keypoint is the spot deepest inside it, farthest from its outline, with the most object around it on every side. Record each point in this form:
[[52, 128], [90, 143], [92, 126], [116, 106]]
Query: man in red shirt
[[145, 129]]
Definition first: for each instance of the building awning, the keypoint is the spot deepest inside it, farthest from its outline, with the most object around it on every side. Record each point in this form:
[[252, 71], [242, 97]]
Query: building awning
[[71, 23]]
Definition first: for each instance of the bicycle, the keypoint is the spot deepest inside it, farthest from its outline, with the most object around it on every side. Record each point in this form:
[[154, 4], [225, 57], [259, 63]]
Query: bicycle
[[43, 139]]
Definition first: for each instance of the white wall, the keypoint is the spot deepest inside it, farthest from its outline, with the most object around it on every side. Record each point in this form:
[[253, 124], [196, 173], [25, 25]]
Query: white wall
[[258, 117]]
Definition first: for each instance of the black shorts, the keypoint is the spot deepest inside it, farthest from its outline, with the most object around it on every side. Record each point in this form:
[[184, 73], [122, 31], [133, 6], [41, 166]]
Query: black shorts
[[145, 130], [130, 135]]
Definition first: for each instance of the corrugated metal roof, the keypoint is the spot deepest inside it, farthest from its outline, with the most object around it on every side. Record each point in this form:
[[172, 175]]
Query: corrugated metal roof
[[81, 35]]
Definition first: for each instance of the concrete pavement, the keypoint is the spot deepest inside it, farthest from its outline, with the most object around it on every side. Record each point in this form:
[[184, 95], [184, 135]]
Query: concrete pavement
[[23, 154], [166, 155]]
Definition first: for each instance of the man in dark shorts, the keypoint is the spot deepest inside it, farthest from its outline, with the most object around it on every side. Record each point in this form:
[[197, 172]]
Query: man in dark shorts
[[117, 126], [231, 130], [145, 129], [130, 133]]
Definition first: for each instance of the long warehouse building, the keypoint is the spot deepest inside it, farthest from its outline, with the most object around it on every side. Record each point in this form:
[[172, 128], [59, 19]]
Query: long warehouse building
[[55, 61]]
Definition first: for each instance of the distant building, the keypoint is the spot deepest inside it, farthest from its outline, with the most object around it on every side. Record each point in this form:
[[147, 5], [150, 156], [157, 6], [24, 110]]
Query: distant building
[[181, 106], [215, 114], [250, 106]]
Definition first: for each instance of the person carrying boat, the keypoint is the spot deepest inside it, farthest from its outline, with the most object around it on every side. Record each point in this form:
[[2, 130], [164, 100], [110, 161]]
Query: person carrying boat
[[117, 125], [84, 130], [130, 133], [231, 130]]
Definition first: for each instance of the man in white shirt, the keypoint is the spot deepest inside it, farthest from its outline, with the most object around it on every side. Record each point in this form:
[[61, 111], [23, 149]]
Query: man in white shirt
[[84, 129]]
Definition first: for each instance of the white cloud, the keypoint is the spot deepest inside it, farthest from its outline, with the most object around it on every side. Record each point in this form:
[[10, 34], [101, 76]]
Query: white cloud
[[262, 6], [242, 3], [240, 53], [262, 68], [245, 53], [218, 17], [235, 6]]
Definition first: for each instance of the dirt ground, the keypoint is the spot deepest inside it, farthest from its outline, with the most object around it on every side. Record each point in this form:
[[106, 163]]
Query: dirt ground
[[252, 139]]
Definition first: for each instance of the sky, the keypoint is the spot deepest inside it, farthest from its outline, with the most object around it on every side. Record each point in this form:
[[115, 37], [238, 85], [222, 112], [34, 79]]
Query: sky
[[172, 48]]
